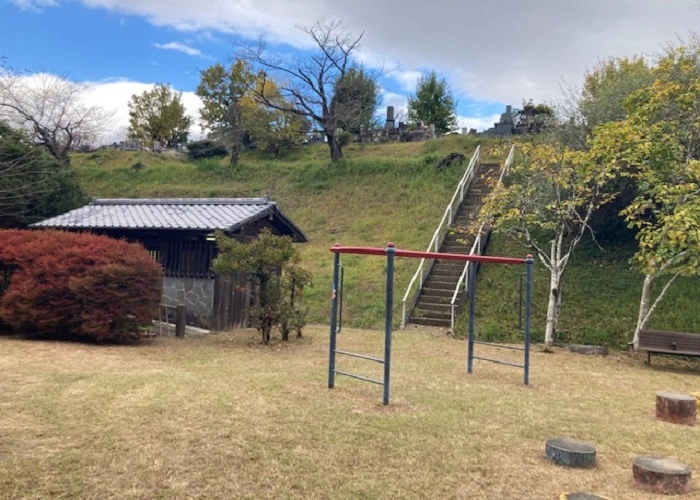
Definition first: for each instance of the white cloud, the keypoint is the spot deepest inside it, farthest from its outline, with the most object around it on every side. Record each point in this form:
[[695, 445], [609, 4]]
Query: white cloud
[[406, 79], [491, 51], [480, 123], [114, 95], [179, 47], [34, 5]]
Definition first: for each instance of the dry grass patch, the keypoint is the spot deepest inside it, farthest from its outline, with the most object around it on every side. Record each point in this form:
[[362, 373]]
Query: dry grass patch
[[221, 416]]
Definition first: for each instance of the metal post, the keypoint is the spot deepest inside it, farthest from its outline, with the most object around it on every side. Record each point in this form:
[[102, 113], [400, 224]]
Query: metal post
[[334, 314], [390, 251], [180, 318], [529, 261], [472, 312]]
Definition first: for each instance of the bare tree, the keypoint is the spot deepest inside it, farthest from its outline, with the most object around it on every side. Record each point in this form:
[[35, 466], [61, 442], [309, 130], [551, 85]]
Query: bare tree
[[308, 82], [51, 109]]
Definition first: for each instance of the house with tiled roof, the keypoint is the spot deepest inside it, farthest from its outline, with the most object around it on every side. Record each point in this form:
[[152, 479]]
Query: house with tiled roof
[[178, 233]]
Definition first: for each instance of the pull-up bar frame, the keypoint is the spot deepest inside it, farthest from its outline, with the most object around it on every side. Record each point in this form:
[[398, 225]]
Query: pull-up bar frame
[[391, 252]]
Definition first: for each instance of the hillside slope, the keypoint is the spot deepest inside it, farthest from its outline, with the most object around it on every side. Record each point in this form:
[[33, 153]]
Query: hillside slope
[[392, 192], [384, 193]]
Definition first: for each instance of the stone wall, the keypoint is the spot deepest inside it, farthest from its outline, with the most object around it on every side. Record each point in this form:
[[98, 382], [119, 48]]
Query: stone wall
[[196, 294]]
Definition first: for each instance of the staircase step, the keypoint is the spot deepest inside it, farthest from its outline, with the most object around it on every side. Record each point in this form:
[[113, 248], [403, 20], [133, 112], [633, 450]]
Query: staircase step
[[434, 292], [431, 322], [432, 299], [443, 315], [433, 306]]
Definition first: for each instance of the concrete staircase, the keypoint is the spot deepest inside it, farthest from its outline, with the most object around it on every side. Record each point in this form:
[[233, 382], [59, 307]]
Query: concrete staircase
[[433, 305]]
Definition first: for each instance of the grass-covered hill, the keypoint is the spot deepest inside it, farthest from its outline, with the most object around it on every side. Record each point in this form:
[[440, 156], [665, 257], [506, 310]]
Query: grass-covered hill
[[391, 192]]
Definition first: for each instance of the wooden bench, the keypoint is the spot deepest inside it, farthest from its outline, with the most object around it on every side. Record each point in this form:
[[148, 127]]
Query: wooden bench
[[679, 343]]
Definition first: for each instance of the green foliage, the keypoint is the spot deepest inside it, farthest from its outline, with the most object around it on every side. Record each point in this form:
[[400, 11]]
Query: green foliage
[[658, 145], [158, 115], [547, 202], [607, 87], [33, 185], [273, 263], [536, 117], [433, 103], [355, 100], [198, 150]]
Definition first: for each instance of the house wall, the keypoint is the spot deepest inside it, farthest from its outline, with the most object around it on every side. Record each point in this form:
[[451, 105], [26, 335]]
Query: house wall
[[196, 294]]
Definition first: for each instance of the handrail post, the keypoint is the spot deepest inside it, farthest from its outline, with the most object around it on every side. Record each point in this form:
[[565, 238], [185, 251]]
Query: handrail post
[[334, 313], [390, 251], [529, 261], [472, 306]]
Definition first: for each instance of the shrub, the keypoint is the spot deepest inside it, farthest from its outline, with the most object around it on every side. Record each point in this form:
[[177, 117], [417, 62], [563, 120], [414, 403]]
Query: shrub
[[273, 264], [206, 149], [77, 283]]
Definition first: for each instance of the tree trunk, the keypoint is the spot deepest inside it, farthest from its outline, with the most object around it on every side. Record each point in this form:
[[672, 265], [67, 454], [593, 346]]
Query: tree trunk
[[334, 145], [553, 306], [644, 305]]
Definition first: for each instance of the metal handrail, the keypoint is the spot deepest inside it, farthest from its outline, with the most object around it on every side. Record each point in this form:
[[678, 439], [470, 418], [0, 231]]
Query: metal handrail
[[439, 235], [477, 247]]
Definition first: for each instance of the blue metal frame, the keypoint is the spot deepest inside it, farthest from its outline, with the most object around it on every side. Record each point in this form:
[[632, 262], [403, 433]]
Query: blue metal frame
[[390, 252], [337, 308], [529, 261]]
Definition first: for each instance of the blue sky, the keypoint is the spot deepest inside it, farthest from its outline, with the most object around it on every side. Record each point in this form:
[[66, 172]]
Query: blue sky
[[491, 53]]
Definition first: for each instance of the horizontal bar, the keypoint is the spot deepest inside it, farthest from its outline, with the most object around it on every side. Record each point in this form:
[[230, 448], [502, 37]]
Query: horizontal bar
[[361, 356], [500, 345], [428, 255], [498, 361], [359, 377]]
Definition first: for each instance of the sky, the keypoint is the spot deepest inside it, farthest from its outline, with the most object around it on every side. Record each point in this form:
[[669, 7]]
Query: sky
[[492, 53]]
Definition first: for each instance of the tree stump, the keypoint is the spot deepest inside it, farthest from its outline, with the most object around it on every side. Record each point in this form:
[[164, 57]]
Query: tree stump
[[661, 475], [580, 496], [570, 453], [589, 350], [676, 408]]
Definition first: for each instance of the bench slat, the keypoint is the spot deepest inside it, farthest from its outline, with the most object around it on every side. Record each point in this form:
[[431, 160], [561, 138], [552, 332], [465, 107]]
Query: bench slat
[[681, 343]]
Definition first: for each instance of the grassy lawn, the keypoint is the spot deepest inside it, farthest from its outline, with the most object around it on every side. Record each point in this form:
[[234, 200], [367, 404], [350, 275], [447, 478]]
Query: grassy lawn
[[222, 417]]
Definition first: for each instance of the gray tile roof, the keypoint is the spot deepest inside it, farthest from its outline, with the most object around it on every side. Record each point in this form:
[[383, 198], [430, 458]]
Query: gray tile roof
[[227, 214]]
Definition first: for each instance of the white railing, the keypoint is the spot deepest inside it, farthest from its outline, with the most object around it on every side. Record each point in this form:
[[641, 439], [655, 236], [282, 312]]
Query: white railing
[[412, 292], [477, 248]]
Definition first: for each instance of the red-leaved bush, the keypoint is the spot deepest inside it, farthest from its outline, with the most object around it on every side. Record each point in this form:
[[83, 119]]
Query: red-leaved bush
[[78, 283]]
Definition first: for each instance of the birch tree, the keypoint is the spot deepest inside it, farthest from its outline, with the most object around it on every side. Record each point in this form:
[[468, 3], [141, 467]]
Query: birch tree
[[546, 203], [659, 145]]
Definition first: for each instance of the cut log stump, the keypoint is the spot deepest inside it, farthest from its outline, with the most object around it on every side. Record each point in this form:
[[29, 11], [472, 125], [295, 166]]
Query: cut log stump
[[661, 475], [676, 408], [590, 350], [570, 453]]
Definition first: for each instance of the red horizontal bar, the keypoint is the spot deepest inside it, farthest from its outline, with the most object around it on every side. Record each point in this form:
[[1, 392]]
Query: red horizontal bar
[[429, 255]]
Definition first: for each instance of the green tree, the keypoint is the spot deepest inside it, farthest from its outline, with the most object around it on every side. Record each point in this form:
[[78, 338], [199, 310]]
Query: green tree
[[158, 115], [433, 103], [221, 90], [659, 145], [355, 100], [307, 83], [607, 86], [546, 203], [267, 128], [273, 263], [33, 185]]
